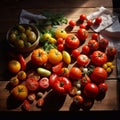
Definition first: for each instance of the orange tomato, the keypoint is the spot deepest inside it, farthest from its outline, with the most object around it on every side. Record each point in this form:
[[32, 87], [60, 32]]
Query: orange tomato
[[54, 56], [20, 92], [14, 81], [21, 75], [14, 66], [39, 56]]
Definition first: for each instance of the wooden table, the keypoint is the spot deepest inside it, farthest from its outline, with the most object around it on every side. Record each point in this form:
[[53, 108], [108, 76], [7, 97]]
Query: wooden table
[[9, 12]]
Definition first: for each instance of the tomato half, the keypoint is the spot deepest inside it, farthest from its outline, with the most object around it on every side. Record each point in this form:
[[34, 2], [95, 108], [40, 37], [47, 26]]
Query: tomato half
[[44, 82], [57, 69]]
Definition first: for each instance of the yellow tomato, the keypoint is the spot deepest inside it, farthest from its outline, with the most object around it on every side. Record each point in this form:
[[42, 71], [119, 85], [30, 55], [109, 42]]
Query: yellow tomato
[[109, 70], [54, 56], [105, 66], [66, 57], [109, 64], [59, 33], [14, 66]]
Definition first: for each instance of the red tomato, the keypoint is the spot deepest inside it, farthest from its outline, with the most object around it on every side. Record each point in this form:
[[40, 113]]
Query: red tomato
[[98, 58], [44, 82], [32, 84], [72, 23], [65, 72], [85, 80], [72, 41], [52, 79], [85, 49], [89, 22], [91, 90], [93, 45], [26, 105], [98, 20], [82, 17], [57, 68], [98, 75], [103, 43], [60, 40], [82, 34], [95, 36], [103, 87], [82, 26], [111, 51], [75, 53], [78, 99], [75, 73], [82, 60], [60, 47], [62, 85]]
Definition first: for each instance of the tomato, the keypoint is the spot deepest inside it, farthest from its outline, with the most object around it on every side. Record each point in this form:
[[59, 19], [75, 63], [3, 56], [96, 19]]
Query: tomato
[[54, 56], [98, 20], [60, 40], [82, 60], [31, 84], [82, 26], [85, 49], [52, 79], [40, 102], [82, 17], [44, 82], [103, 87], [65, 72], [111, 51], [60, 33], [89, 23], [75, 53], [21, 75], [82, 34], [75, 73], [98, 58], [72, 41], [72, 23], [14, 81], [26, 105], [95, 36], [14, 66], [20, 92], [93, 45], [39, 56], [85, 80], [91, 90], [98, 75], [57, 69], [78, 99], [62, 85], [103, 43], [61, 47]]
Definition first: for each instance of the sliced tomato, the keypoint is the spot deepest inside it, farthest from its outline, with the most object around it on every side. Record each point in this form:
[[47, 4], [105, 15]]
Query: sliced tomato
[[44, 83], [57, 69]]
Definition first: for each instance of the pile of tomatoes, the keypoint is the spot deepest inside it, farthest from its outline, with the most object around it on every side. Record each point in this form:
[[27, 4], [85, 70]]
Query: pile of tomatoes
[[74, 68]]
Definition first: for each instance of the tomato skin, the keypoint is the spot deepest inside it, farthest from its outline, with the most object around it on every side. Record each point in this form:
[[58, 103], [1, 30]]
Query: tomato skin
[[75, 53], [75, 73], [103, 43], [44, 82], [31, 84], [52, 79], [91, 90], [62, 85], [103, 87], [98, 75], [85, 49], [82, 60], [82, 34], [98, 20], [85, 80], [111, 51], [93, 44], [98, 58], [57, 69], [82, 17], [95, 36], [72, 41], [72, 23]]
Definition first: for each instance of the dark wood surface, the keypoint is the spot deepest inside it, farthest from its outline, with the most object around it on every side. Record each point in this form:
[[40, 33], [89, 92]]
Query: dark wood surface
[[10, 11]]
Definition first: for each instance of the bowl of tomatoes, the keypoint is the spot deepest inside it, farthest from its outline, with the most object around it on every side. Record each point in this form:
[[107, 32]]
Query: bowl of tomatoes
[[23, 38]]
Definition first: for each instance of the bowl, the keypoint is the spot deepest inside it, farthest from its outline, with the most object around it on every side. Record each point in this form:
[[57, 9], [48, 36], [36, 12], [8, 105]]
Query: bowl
[[23, 38]]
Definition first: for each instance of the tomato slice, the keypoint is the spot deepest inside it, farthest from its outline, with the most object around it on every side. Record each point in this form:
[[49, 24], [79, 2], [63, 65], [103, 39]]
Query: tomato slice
[[57, 69], [44, 83]]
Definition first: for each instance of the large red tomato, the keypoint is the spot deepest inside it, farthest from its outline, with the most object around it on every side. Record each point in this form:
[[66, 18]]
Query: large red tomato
[[72, 41], [75, 73], [82, 34], [91, 90], [82, 60], [98, 58], [99, 75], [62, 85]]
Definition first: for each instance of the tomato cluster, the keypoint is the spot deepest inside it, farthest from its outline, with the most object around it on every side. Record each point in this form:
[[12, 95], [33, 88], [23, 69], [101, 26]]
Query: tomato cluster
[[84, 81]]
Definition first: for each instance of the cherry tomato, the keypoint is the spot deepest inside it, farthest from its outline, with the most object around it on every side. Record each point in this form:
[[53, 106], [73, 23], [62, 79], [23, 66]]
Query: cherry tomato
[[98, 20], [78, 99], [82, 60], [89, 22], [91, 90], [103, 87], [75, 53], [85, 80], [93, 44], [82, 26], [85, 49], [44, 82], [60, 40], [61, 47], [82, 17], [95, 36], [72, 23]]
